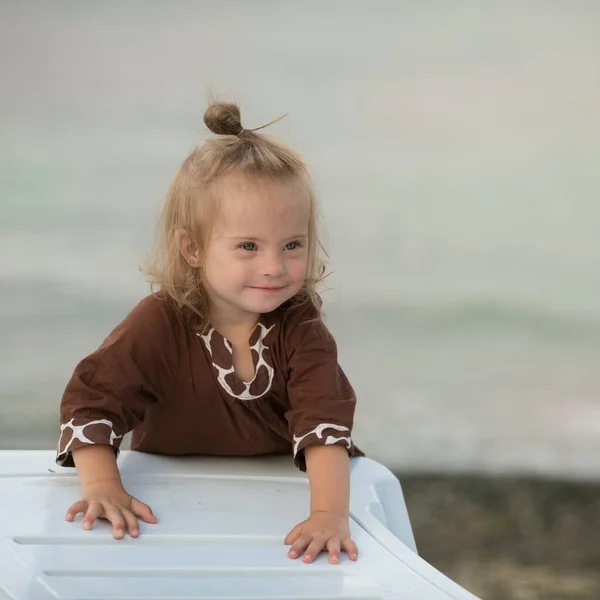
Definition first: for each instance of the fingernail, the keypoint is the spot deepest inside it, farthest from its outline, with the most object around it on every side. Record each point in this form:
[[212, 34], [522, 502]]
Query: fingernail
[[69, 517], [335, 559], [307, 558], [119, 533], [87, 525], [293, 553], [353, 556], [135, 533]]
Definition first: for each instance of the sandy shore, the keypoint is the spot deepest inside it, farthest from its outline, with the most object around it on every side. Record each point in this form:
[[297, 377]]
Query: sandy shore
[[509, 538]]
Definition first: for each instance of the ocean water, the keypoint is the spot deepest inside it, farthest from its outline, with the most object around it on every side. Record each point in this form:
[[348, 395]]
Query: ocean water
[[455, 153]]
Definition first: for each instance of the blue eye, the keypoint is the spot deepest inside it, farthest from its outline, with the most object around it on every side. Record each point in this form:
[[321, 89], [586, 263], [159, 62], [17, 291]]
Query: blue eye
[[248, 246], [292, 245]]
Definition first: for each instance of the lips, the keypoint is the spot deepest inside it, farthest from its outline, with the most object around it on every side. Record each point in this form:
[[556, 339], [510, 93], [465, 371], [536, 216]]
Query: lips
[[266, 289]]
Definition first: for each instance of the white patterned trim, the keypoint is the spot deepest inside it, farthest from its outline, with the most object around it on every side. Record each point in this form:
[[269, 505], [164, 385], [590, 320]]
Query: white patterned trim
[[222, 373], [318, 431], [79, 434]]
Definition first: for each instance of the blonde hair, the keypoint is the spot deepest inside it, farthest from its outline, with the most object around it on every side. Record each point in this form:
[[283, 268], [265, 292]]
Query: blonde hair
[[191, 205]]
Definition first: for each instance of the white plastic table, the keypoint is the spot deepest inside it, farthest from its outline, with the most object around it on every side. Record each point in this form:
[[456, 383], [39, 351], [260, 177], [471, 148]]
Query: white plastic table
[[220, 531]]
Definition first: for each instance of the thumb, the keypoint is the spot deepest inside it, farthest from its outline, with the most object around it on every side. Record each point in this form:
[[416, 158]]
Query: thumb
[[293, 535], [143, 511]]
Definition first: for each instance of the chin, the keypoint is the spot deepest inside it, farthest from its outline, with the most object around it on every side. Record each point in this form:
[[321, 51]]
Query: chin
[[267, 305]]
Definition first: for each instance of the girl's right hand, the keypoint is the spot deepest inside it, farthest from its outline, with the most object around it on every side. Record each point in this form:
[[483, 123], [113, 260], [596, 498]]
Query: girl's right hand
[[109, 500]]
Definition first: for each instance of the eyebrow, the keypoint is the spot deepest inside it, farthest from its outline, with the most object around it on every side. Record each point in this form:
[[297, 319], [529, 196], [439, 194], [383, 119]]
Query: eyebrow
[[251, 238]]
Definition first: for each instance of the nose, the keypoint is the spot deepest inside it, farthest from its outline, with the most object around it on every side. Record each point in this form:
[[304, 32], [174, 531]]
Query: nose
[[272, 265]]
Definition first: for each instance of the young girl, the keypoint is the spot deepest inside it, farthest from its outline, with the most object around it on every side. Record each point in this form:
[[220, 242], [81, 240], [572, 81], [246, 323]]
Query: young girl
[[230, 355]]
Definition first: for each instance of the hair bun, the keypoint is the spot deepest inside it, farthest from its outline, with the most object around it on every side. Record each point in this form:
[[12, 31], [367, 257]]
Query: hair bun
[[223, 118]]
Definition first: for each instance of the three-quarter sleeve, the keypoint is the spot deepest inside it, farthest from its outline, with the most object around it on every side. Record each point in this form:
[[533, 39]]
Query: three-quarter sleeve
[[111, 388], [322, 401]]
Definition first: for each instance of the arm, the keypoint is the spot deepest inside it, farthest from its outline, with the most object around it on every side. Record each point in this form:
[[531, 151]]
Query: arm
[[329, 478], [108, 396], [321, 415]]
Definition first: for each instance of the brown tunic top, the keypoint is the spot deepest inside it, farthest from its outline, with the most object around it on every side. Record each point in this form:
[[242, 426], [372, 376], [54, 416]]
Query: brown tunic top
[[178, 391]]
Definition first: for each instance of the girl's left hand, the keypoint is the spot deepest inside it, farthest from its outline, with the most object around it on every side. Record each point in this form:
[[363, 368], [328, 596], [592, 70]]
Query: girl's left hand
[[321, 531]]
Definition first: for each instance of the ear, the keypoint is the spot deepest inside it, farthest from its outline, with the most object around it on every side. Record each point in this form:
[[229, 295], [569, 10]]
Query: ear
[[188, 248]]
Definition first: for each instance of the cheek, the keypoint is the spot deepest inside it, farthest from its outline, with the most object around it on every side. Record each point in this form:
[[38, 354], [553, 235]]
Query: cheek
[[297, 268], [235, 268], [216, 268]]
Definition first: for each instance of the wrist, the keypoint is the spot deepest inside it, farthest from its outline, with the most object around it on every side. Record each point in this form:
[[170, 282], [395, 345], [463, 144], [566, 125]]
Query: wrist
[[327, 511], [96, 464], [94, 481]]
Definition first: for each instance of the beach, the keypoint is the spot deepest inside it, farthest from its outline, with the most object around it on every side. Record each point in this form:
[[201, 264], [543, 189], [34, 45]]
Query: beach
[[509, 538]]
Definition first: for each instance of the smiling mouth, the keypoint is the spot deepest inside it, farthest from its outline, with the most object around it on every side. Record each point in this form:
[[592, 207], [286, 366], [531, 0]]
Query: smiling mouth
[[267, 289]]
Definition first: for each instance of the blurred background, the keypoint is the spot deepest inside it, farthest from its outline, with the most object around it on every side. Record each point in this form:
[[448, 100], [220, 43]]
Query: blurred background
[[455, 150]]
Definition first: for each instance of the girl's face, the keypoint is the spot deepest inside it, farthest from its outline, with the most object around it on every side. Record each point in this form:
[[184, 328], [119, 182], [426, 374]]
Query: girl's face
[[255, 258]]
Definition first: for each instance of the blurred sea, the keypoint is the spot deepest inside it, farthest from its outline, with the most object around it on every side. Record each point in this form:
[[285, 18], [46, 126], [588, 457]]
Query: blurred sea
[[455, 150]]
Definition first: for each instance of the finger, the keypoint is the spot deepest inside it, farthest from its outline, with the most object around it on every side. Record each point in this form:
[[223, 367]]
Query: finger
[[299, 546], [131, 523], [313, 549], [350, 547], [333, 546], [94, 511], [143, 511], [115, 516], [293, 535], [80, 506]]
